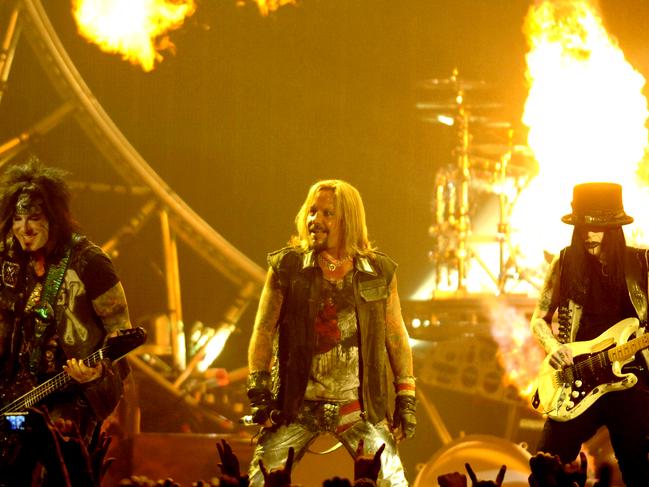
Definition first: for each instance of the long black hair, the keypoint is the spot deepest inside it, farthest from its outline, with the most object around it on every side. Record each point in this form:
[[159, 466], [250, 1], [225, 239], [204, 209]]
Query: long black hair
[[38, 181], [575, 277]]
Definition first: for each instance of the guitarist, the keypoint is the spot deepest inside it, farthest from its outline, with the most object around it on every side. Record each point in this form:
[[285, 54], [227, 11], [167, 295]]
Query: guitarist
[[592, 284], [60, 298]]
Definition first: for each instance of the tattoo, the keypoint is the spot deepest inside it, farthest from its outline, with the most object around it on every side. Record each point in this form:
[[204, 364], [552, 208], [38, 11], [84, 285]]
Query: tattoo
[[260, 350], [396, 335], [112, 309], [545, 308]]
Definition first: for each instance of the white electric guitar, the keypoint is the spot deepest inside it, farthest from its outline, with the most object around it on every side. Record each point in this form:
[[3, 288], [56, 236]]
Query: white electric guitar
[[597, 369]]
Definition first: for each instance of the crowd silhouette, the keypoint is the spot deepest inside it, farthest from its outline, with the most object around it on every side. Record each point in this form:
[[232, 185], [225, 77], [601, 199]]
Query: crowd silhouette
[[70, 464]]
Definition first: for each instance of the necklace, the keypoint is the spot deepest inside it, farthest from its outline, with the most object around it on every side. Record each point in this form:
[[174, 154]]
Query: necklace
[[331, 263]]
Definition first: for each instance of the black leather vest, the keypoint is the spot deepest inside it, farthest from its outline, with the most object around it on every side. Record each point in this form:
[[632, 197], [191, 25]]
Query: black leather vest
[[301, 279]]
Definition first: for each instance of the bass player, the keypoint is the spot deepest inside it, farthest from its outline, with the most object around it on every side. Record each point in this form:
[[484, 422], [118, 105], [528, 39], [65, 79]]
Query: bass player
[[60, 298]]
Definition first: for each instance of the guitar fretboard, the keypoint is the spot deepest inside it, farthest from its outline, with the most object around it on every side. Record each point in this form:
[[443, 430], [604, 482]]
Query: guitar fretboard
[[626, 350], [49, 386]]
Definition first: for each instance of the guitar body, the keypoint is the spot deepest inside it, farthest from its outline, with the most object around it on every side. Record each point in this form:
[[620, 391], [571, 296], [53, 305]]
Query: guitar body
[[565, 394]]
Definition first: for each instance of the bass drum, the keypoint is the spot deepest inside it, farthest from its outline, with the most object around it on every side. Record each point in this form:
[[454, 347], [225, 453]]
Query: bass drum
[[485, 453]]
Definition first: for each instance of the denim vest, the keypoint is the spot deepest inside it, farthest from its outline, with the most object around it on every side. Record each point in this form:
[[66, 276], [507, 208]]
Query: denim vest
[[300, 279]]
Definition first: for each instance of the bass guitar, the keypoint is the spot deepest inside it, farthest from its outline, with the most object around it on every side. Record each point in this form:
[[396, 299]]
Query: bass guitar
[[116, 347], [565, 394]]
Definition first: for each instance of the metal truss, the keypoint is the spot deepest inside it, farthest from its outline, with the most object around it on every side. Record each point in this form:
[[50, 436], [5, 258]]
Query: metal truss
[[28, 19]]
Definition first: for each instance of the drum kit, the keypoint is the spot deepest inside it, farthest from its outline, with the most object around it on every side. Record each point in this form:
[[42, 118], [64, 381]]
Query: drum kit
[[486, 160]]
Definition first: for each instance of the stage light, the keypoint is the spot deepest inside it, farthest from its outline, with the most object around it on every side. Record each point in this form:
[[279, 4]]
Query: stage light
[[215, 346]]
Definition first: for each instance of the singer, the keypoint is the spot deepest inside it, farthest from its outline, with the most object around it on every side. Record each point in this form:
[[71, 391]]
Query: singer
[[328, 325]]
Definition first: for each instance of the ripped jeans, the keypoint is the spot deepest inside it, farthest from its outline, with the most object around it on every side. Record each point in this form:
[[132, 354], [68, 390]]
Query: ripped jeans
[[316, 418]]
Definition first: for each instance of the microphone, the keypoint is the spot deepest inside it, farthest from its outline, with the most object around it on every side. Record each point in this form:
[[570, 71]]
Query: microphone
[[275, 416]]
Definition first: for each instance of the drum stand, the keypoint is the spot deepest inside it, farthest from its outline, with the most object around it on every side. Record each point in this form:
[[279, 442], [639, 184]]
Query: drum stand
[[453, 249]]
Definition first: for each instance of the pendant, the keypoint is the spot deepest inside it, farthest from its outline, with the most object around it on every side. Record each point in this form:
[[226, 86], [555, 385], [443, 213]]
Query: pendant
[[332, 267]]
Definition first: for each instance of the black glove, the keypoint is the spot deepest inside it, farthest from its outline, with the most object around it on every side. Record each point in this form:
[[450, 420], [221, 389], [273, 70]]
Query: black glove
[[404, 415], [261, 399]]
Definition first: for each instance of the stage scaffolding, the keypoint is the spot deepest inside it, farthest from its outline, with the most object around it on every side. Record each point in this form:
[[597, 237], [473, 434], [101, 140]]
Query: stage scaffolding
[[27, 20]]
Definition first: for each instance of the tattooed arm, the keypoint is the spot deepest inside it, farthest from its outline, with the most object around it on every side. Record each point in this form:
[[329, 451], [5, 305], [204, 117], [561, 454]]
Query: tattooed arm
[[545, 307], [111, 307], [404, 420], [396, 336], [260, 350]]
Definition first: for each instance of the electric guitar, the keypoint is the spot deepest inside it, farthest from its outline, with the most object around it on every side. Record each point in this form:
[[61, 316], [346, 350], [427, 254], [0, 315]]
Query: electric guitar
[[116, 347], [565, 394]]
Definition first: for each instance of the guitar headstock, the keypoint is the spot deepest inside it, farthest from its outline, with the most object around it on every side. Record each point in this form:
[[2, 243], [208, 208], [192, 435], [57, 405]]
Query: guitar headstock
[[127, 340]]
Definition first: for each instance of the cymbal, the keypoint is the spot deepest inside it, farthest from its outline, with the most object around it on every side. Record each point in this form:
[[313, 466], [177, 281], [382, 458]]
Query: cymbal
[[498, 150], [453, 105], [520, 164], [484, 122], [453, 83]]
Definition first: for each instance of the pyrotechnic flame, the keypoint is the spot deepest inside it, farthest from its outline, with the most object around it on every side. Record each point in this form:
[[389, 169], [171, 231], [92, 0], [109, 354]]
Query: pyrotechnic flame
[[519, 352], [586, 116], [267, 6], [135, 29]]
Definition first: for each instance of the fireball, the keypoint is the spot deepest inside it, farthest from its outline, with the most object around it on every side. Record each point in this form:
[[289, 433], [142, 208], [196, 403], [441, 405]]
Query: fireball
[[135, 29]]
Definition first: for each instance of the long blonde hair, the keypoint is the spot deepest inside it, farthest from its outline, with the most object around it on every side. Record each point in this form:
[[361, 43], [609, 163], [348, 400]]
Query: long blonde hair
[[348, 206]]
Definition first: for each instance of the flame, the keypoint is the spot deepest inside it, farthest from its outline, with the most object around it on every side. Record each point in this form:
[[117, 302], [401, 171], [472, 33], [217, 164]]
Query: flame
[[135, 29], [267, 6], [586, 115], [519, 354]]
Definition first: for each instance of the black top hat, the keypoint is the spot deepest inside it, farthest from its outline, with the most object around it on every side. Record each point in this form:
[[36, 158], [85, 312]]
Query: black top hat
[[597, 205]]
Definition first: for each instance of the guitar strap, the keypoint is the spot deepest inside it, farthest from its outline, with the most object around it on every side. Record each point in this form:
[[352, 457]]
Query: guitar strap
[[646, 260], [44, 312]]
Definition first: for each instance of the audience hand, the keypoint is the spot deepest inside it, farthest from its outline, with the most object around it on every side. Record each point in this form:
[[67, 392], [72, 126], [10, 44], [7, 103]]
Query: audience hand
[[143, 481], [278, 477], [604, 475], [229, 464], [337, 482], [577, 472], [364, 483], [97, 449], [367, 466], [549, 471], [453, 479], [45, 438], [486, 483]]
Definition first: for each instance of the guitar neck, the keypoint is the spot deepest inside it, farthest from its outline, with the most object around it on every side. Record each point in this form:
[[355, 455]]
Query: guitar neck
[[51, 385], [626, 350]]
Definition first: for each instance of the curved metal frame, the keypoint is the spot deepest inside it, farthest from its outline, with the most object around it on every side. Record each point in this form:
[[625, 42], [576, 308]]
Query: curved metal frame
[[30, 19]]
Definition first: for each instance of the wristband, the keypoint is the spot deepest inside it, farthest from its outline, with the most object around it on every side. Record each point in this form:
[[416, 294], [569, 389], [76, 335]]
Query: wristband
[[405, 386]]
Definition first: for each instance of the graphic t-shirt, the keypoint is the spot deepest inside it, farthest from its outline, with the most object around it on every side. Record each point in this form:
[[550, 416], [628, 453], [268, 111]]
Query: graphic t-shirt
[[335, 366]]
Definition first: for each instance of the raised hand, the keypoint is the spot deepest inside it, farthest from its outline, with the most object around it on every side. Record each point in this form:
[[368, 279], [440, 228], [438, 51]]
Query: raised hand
[[45, 436], [281, 476], [548, 469], [577, 471], [97, 449], [337, 482], [229, 462], [367, 466], [486, 483], [453, 479]]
